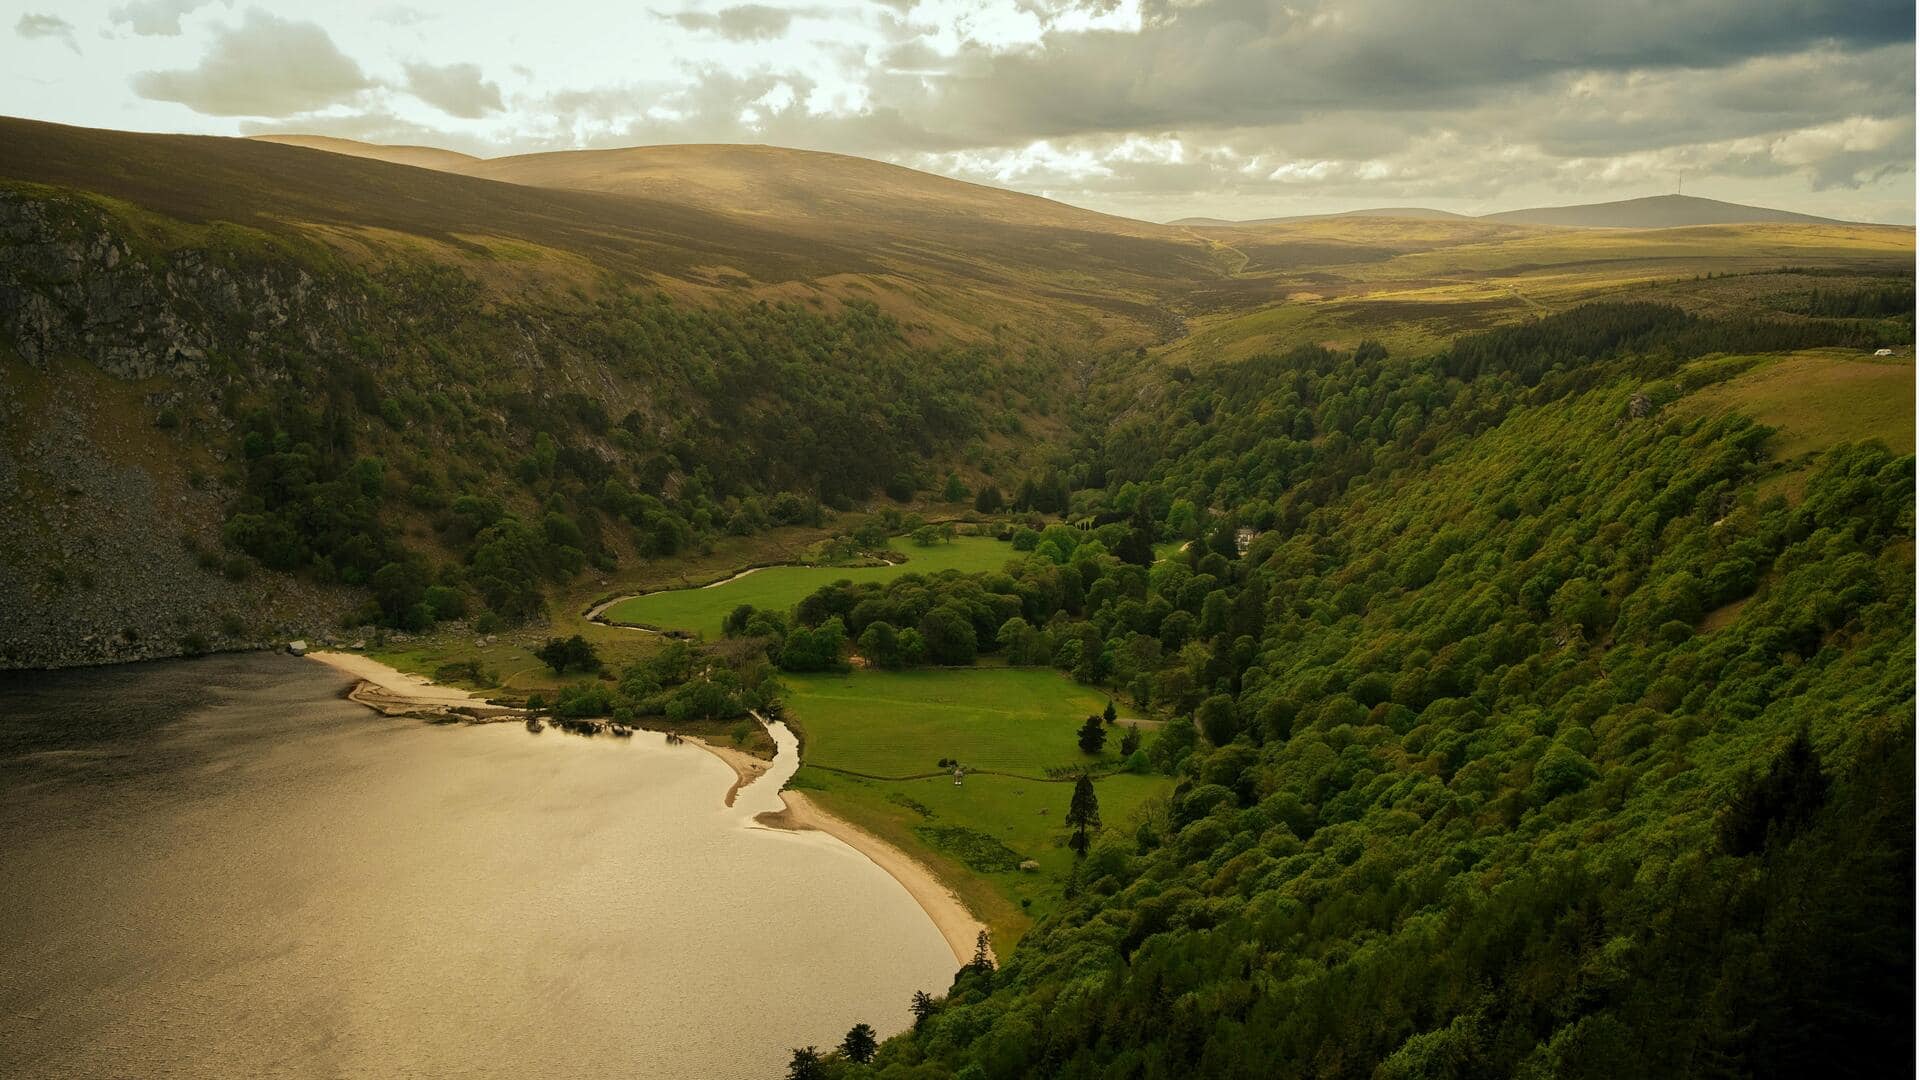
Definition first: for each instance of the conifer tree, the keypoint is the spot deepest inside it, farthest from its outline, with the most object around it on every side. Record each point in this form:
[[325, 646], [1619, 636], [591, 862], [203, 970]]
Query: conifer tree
[[1083, 813]]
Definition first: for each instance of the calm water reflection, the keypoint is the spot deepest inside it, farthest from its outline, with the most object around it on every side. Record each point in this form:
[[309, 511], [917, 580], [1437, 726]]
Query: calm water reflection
[[218, 868]]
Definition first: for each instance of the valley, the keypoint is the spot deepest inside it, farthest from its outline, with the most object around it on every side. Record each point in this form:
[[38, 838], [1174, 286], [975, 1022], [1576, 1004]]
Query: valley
[[1351, 645]]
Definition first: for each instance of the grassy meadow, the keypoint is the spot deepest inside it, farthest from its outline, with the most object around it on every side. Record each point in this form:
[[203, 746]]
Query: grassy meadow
[[900, 723], [778, 588], [1815, 400], [974, 835]]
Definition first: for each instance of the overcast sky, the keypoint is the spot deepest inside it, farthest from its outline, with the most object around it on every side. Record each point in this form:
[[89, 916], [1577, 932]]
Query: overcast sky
[[1150, 108]]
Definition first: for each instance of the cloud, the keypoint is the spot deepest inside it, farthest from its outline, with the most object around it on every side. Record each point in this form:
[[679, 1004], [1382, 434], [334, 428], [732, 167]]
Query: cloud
[[1168, 107], [267, 66], [154, 18], [32, 26], [745, 22], [456, 89], [401, 15], [1231, 62]]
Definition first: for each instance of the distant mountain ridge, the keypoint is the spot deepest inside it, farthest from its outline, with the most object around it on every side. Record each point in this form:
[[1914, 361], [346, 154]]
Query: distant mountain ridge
[[1416, 213], [1651, 212], [788, 183], [421, 157], [1656, 212]]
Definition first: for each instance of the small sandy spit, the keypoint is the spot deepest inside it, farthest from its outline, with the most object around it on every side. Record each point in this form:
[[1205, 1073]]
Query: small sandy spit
[[392, 692]]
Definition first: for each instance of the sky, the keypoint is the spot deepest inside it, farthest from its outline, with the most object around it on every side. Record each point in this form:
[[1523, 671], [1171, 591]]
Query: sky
[[1154, 109]]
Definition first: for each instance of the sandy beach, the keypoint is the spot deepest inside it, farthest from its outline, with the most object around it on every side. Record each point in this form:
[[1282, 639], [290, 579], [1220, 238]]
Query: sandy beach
[[392, 692], [393, 680], [956, 924]]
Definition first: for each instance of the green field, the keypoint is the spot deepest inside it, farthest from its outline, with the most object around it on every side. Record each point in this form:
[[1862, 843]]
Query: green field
[[900, 723], [1018, 720], [1815, 400], [1821, 398], [778, 588]]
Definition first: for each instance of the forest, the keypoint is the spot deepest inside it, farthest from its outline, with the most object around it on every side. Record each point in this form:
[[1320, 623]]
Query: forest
[[786, 415], [1536, 734]]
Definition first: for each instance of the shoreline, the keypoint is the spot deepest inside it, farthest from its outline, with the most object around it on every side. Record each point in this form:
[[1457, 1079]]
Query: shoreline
[[949, 914], [746, 768], [392, 692], [393, 680]]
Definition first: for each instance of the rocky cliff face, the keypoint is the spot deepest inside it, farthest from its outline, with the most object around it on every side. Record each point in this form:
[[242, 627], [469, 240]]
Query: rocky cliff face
[[72, 285], [110, 550]]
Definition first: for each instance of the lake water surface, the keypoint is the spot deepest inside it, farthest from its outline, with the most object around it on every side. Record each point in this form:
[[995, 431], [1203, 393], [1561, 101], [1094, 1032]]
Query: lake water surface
[[219, 868]]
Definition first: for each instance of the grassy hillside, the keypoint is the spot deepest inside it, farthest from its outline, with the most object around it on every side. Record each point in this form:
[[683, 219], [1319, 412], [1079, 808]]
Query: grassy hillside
[[1812, 402], [873, 741]]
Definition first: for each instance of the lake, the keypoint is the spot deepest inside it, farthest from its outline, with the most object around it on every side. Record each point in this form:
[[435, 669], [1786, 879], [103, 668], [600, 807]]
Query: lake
[[217, 867]]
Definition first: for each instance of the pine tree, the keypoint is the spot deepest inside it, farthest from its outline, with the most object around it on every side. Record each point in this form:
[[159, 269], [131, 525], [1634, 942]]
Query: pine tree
[[1111, 714], [1083, 814], [806, 1065], [922, 1007], [1093, 735], [982, 955], [1130, 741], [859, 1045]]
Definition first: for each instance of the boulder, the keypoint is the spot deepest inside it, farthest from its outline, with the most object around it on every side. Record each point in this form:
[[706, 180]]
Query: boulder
[[297, 647]]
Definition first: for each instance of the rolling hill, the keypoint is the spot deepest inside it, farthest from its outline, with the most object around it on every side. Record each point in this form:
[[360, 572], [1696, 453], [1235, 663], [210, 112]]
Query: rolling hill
[[1413, 213], [1652, 212], [423, 157], [1655, 212], [954, 259], [872, 218]]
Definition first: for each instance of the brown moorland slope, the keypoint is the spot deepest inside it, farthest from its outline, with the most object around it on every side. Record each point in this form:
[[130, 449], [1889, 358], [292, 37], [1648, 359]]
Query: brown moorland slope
[[994, 258], [951, 259], [1414, 274], [420, 157]]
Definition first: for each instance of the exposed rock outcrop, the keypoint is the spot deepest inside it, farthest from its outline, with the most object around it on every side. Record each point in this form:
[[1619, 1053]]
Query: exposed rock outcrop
[[110, 550]]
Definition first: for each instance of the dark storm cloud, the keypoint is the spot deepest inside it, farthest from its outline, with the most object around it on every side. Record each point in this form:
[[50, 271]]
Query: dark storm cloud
[[1227, 62], [1145, 105]]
